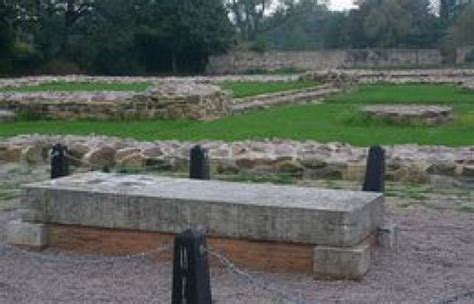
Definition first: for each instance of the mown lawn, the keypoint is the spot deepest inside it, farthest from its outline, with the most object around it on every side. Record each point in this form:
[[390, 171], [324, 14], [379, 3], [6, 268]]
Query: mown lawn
[[241, 89], [331, 121], [62, 86]]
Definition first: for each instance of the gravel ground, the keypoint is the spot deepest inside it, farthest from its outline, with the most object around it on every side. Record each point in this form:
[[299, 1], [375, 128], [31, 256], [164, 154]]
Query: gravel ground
[[434, 263]]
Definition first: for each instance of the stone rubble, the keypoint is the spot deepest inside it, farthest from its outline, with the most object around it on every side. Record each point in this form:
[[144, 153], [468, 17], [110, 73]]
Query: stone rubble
[[37, 80], [183, 100], [308, 159], [348, 78], [426, 114], [7, 116]]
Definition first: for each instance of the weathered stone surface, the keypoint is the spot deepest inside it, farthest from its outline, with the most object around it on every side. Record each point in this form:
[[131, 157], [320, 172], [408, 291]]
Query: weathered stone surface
[[235, 210], [423, 114], [342, 263], [367, 76], [32, 155], [411, 163], [290, 166], [132, 161], [126, 152], [11, 153], [27, 234], [388, 236], [442, 168], [101, 157], [184, 99], [153, 152], [31, 216], [355, 171], [79, 149], [410, 174], [468, 171], [6, 116]]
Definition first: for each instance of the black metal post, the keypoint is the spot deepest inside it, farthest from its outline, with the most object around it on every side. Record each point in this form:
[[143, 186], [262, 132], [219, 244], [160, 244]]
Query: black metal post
[[199, 164], [191, 278], [375, 171], [59, 162]]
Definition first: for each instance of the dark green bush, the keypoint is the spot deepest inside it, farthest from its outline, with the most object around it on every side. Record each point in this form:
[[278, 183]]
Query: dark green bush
[[470, 57]]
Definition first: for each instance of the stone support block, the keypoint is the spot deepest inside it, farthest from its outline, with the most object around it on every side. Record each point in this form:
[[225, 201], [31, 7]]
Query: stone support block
[[342, 262], [388, 236], [26, 234]]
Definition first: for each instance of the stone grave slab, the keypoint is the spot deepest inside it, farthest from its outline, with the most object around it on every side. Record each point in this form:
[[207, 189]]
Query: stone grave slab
[[236, 210], [319, 219]]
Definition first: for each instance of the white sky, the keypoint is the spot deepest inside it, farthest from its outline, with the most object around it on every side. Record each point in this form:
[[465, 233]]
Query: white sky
[[340, 5]]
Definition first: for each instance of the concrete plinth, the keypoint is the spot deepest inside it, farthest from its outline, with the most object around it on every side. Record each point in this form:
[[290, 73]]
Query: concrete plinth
[[334, 221], [27, 234], [342, 263], [388, 236]]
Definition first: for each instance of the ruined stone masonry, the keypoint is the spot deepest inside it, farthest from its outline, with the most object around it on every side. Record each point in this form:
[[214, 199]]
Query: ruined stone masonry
[[308, 159], [166, 101]]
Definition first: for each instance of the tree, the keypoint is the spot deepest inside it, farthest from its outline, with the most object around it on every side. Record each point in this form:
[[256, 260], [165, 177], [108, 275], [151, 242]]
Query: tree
[[248, 15], [396, 23], [463, 34], [304, 24]]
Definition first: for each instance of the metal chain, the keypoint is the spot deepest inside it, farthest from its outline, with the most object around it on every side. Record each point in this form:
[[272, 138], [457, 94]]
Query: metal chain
[[98, 260], [232, 268]]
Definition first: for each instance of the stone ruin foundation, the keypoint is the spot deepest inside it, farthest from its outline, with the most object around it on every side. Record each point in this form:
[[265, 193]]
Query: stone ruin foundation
[[422, 114], [179, 100], [308, 159]]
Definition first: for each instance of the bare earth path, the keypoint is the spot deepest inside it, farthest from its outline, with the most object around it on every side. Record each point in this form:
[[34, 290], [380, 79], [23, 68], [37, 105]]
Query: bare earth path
[[434, 264]]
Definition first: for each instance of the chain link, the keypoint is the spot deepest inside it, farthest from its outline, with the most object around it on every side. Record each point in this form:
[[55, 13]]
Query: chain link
[[232, 268], [98, 260]]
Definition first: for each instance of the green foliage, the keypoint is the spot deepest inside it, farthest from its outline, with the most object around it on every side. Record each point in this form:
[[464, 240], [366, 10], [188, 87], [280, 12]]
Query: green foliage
[[61, 86], [320, 122], [241, 89], [462, 31], [248, 15], [308, 24], [119, 37]]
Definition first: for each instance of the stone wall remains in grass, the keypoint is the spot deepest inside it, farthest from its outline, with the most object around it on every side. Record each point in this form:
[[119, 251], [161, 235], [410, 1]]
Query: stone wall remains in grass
[[183, 100], [346, 78], [286, 158]]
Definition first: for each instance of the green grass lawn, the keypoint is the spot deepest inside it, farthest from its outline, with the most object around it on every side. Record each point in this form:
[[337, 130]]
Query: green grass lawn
[[241, 89], [62, 86], [324, 122]]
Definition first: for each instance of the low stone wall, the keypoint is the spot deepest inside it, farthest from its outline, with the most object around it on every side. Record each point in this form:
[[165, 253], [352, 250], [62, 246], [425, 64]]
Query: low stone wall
[[419, 114], [463, 77], [309, 159], [183, 100], [239, 62], [37, 80]]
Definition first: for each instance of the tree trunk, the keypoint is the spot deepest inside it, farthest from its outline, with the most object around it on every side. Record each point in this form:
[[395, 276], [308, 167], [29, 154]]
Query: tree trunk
[[174, 64]]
